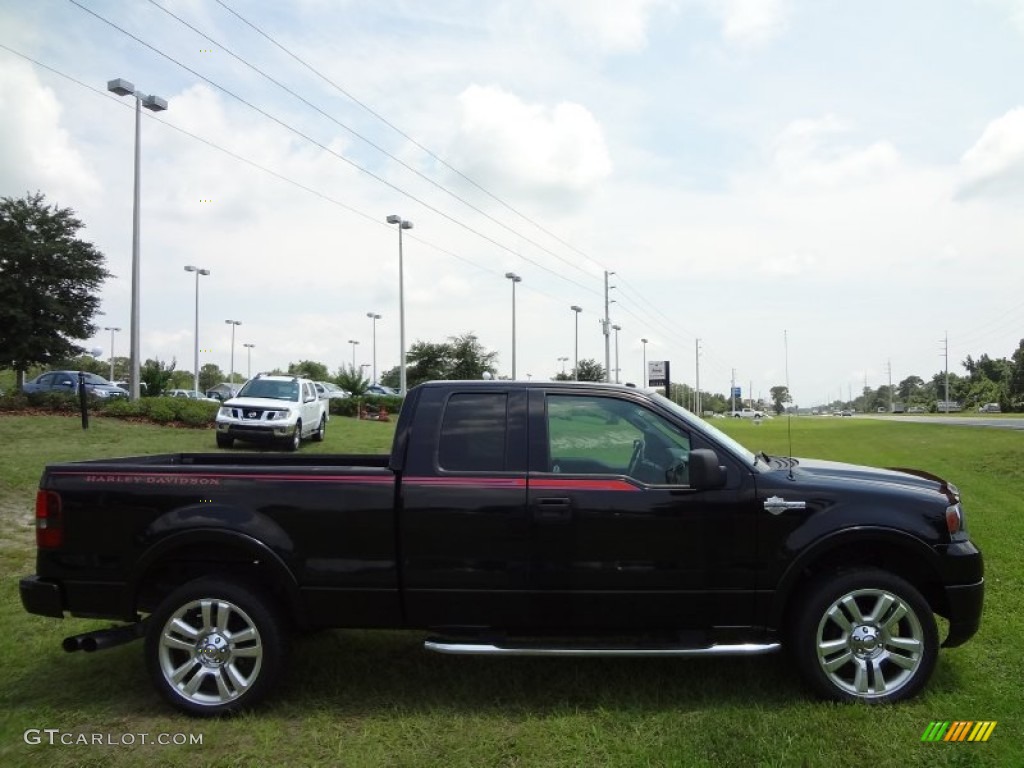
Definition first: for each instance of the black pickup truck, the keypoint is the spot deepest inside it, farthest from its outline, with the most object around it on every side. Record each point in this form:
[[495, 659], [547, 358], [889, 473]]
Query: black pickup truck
[[549, 519]]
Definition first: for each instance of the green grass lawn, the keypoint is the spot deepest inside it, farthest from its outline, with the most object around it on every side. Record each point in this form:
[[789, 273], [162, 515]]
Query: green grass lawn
[[377, 699]]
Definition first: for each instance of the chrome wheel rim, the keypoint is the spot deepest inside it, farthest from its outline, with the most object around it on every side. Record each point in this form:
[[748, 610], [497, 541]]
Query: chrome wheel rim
[[323, 428], [297, 437], [210, 652], [870, 643]]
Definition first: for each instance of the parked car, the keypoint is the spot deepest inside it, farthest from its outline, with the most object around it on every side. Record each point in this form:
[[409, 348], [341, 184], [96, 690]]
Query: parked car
[[380, 389], [272, 408], [509, 519], [67, 381], [846, 412], [191, 394], [222, 391], [990, 408], [330, 390]]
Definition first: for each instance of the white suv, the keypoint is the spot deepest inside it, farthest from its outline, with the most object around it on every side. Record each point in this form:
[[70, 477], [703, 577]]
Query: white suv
[[271, 408]]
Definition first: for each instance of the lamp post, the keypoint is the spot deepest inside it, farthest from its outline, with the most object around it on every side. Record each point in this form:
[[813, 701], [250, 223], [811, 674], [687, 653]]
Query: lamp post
[[402, 224], [374, 317], [616, 328], [233, 323], [112, 332], [644, 341], [353, 342], [563, 361], [248, 354], [198, 271], [515, 279], [156, 104], [576, 368]]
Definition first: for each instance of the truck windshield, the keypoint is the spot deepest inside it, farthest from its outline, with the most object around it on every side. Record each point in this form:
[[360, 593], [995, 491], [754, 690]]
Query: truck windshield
[[703, 426]]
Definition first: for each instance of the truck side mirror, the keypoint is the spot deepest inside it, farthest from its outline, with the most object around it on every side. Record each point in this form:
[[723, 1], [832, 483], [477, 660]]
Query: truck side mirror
[[706, 473]]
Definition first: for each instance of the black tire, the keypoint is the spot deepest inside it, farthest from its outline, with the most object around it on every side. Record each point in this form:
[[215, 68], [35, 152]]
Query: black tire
[[865, 635], [318, 436], [225, 441], [295, 441], [228, 659]]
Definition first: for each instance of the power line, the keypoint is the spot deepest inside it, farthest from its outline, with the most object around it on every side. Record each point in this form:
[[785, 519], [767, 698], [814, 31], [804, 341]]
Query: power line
[[367, 141], [406, 136], [330, 151]]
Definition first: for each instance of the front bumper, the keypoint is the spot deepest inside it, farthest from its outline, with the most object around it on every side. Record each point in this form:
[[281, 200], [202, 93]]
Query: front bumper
[[965, 602], [256, 432], [42, 597]]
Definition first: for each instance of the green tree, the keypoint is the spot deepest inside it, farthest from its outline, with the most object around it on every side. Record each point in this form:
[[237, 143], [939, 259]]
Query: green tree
[[49, 283], [425, 361], [780, 396], [351, 379], [469, 359], [589, 370], [310, 370], [210, 375], [157, 376], [910, 389]]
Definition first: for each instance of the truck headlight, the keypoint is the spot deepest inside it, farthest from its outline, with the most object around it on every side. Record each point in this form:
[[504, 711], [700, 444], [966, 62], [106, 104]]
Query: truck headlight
[[278, 415]]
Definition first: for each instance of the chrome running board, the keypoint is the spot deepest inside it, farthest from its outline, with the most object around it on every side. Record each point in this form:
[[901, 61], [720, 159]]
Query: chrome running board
[[464, 648]]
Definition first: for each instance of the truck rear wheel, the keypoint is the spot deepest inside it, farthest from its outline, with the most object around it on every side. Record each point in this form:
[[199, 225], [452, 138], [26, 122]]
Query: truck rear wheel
[[214, 647], [866, 635]]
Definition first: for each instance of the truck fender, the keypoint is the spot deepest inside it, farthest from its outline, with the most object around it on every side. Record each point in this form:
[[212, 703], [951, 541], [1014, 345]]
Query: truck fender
[[915, 555]]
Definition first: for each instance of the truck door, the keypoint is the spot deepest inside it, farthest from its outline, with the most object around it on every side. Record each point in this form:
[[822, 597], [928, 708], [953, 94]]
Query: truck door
[[463, 528], [619, 539]]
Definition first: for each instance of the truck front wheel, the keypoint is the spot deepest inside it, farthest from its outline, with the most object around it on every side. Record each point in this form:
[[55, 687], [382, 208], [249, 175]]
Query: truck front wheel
[[214, 647], [866, 635]]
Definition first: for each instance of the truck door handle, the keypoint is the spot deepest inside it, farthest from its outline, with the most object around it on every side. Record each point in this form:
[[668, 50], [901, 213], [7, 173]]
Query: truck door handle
[[553, 509]]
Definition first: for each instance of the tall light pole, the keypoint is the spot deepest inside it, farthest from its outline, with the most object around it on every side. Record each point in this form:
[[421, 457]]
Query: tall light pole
[[353, 342], [233, 323], [644, 341], [248, 354], [402, 224], [563, 361], [112, 332], [515, 279], [576, 369], [198, 272], [374, 317], [156, 104], [616, 328]]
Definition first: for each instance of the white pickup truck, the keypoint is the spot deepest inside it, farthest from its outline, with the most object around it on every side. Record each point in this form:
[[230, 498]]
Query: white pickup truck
[[747, 413], [271, 408]]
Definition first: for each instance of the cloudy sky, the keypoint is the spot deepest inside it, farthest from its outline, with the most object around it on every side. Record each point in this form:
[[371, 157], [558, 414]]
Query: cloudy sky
[[845, 176]]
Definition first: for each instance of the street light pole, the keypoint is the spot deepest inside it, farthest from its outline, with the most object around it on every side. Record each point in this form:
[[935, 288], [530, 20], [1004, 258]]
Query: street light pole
[[515, 279], [353, 342], [616, 328], [156, 104], [646, 382], [402, 224], [233, 323], [112, 332], [198, 272], [248, 354], [576, 370], [374, 317]]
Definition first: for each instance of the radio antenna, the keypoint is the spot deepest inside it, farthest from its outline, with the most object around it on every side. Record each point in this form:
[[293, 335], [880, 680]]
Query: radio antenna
[[789, 413]]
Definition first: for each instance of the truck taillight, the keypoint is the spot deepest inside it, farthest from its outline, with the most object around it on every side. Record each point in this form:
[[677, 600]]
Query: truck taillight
[[49, 522]]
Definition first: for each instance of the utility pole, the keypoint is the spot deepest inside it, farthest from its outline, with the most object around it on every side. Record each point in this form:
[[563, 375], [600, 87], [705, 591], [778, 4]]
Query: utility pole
[[945, 351], [606, 329], [696, 397]]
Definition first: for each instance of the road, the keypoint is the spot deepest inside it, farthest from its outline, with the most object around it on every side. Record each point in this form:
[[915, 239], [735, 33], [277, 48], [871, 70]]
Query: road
[[996, 422]]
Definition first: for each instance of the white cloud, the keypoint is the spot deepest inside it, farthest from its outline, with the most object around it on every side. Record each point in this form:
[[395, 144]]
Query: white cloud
[[995, 164], [611, 25], [749, 23], [36, 152], [520, 147], [806, 153]]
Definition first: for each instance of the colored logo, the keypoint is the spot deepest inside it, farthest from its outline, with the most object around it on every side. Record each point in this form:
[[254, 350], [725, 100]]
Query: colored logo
[[958, 730]]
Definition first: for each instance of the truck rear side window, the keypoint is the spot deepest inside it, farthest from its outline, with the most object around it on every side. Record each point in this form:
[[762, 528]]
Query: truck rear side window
[[473, 433]]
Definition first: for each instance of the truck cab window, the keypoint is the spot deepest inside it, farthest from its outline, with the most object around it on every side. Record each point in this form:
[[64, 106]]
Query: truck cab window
[[473, 433], [605, 435]]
